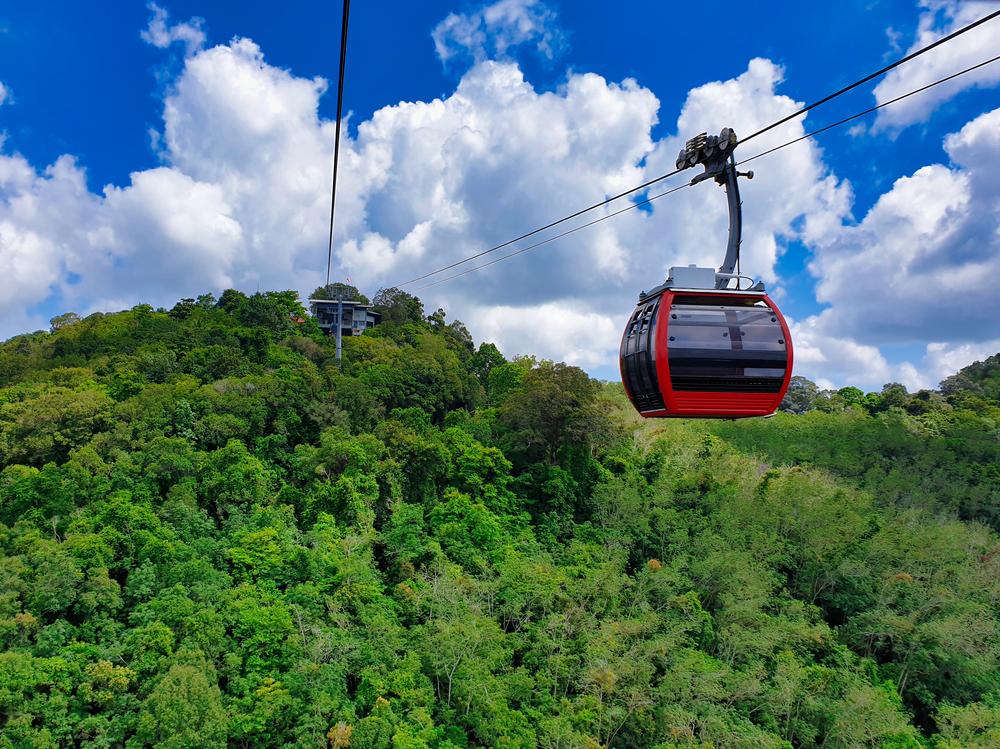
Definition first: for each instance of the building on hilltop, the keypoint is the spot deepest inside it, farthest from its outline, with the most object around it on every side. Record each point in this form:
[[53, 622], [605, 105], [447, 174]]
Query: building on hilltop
[[355, 317]]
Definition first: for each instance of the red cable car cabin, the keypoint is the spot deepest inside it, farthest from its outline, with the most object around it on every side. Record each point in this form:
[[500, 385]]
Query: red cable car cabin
[[693, 346], [706, 353]]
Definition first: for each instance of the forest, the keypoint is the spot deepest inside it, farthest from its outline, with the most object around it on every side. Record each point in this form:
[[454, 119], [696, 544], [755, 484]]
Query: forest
[[213, 534]]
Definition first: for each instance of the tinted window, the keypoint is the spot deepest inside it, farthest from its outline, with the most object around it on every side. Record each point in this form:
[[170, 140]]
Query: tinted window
[[638, 357], [731, 348]]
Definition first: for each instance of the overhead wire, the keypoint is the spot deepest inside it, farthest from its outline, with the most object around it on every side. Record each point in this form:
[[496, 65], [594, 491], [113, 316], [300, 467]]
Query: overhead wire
[[876, 74], [650, 199], [871, 109], [540, 229], [644, 185], [557, 236], [336, 141]]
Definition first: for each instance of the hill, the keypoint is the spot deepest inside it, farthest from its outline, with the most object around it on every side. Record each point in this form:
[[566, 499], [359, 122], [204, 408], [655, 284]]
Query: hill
[[213, 535]]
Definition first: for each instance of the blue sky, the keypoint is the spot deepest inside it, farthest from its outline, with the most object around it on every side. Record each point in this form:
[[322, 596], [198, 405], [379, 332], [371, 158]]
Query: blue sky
[[84, 82]]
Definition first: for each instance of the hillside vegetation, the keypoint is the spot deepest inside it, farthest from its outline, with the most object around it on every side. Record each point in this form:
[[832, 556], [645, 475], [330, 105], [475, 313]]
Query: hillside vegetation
[[211, 535]]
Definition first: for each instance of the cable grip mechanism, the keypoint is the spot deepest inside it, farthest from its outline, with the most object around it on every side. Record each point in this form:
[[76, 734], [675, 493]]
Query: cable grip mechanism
[[715, 153]]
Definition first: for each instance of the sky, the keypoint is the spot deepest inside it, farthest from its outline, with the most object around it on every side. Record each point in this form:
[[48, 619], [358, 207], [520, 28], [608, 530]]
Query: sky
[[150, 152]]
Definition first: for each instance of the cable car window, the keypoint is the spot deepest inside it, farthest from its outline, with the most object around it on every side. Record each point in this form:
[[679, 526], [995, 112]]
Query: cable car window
[[725, 348], [638, 357]]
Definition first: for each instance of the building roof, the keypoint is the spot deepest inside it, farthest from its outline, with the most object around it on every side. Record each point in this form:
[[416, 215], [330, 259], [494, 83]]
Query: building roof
[[354, 302]]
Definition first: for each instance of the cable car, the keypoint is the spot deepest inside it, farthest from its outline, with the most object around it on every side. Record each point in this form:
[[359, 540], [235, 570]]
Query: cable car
[[694, 347]]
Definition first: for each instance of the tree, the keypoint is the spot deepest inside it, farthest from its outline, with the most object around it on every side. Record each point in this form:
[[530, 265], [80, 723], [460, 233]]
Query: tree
[[893, 395], [800, 396], [250, 544], [972, 726], [274, 311], [460, 338], [504, 378], [343, 290], [397, 306], [48, 427], [437, 319], [63, 321], [232, 300], [552, 412], [184, 710], [852, 395], [485, 360], [183, 309], [975, 385]]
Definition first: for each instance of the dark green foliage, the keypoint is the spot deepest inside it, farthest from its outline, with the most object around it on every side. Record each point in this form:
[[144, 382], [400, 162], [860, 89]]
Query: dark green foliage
[[944, 461], [340, 290], [213, 535], [398, 307], [64, 320], [801, 395], [976, 385], [485, 360]]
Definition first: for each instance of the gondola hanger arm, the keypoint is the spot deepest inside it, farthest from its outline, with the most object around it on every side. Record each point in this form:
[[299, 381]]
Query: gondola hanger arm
[[715, 153]]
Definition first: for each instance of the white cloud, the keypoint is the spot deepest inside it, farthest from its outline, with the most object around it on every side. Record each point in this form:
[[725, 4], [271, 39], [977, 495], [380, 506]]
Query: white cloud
[[242, 200], [4, 94], [922, 264], [494, 31], [832, 361], [161, 34], [476, 168], [242, 197], [186, 225], [44, 220], [920, 268], [543, 330], [940, 18], [944, 359]]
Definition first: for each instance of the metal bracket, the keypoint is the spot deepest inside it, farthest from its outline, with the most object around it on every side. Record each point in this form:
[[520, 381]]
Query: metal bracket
[[716, 154]]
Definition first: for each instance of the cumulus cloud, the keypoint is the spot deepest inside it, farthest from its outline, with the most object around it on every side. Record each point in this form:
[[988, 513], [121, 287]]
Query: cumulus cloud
[[242, 197], [4, 94], [832, 361], [543, 329], [939, 18], [474, 169], [185, 224], [944, 359], [921, 265], [46, 233], [494, 31], [241, 200], [920, 268], [162, 34]]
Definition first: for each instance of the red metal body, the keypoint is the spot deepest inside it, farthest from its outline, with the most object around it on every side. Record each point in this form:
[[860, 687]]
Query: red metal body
[[720, 405]]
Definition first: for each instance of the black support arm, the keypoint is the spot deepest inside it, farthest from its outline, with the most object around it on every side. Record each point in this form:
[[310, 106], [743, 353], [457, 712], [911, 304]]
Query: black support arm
[[716, 154]]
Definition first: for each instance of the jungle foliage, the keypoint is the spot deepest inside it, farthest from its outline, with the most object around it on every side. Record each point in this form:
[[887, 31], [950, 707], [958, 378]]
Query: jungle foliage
[[212, 535]]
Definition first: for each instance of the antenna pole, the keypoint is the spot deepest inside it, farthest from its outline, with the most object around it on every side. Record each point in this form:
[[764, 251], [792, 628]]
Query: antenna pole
[[340, 321]]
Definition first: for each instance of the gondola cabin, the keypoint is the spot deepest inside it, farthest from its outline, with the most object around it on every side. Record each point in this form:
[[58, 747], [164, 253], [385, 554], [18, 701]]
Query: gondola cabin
[[705, 352]]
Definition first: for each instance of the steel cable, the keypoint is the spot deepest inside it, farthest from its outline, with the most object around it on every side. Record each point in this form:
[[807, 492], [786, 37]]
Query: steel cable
[[336, 142], [606, 201], [687, 184]]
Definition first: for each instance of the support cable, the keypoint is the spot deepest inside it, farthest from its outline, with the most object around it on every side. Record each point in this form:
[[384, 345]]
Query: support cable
[[336, 142], [845, 89], [871, 109], [648, 200], [876, 74], [604, 202], [557, 236]]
